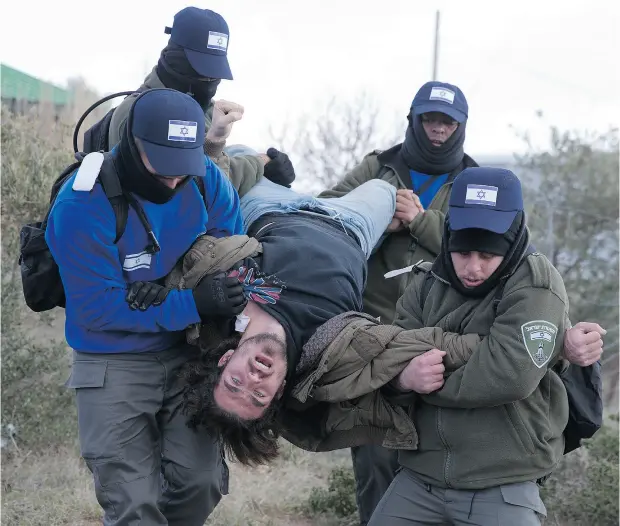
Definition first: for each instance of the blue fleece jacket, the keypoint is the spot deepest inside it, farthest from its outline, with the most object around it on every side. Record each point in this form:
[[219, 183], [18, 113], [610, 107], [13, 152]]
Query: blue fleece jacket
[[419, 179], [95, 272]]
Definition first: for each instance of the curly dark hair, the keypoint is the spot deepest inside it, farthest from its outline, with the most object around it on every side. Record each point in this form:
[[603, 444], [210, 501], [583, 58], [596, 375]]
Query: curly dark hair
[[251, 442]]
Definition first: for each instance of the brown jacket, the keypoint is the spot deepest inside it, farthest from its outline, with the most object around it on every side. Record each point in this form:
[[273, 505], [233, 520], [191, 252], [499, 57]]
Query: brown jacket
[[208, 255]]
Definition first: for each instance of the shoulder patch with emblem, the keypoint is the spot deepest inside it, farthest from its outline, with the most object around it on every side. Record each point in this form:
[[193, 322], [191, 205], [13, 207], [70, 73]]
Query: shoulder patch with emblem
[[539, 340]]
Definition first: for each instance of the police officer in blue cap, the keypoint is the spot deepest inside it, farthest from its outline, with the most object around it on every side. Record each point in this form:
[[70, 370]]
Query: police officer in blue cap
[[490, 430], [148, 466], [195, 61], [422, 168]]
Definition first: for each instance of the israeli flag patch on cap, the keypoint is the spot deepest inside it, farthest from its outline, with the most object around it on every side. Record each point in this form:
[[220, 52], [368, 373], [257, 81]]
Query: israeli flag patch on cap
[[478, 194], [182, 131], [217, 41], [447, 95]]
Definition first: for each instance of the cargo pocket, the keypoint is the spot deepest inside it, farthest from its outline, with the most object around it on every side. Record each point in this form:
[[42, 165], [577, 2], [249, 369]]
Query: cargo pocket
[[87, 374], [522, 504], [88, 378]]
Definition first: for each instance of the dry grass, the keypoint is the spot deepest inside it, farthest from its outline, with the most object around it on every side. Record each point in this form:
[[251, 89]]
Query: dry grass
[[55, 488], [51, 489]]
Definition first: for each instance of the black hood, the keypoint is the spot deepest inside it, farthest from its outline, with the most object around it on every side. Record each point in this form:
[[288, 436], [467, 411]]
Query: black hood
[[420, 155], [519, 248], [175, 72], [133, 174]]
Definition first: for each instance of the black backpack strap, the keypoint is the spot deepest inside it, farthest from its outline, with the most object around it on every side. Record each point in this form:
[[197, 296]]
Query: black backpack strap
[[425, 185], [422, 266], [426, 287], [96, 137], [96, 127], [499, 291], [121, 201], [112, 187], [200, 183], [154, 246]]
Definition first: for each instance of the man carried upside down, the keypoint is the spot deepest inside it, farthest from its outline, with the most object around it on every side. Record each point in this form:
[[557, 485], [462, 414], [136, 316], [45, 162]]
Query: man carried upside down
[[305, 264]]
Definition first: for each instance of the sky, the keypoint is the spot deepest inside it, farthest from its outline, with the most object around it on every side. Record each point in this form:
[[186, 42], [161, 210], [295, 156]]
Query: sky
[[289, 58]]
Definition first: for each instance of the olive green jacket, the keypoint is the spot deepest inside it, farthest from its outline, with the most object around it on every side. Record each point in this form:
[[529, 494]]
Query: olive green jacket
[[244, 171], [500, 418], [344, 399]]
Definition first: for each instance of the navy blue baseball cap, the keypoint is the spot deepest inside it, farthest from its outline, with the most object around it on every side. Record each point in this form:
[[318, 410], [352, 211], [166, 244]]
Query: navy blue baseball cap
[[487, 198], [171, 129], [203, 34], [442, 97]]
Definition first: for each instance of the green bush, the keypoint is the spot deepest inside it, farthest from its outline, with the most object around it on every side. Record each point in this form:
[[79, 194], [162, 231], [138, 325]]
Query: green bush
[[339, 497], [584, 490], [36, 409]]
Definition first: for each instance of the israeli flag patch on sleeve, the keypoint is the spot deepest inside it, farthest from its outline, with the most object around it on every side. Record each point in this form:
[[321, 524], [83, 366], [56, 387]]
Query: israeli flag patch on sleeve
[[182, 131], [217, 41]]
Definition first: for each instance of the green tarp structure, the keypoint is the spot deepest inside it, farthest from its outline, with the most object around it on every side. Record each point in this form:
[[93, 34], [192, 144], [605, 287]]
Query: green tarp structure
[[20, 86]]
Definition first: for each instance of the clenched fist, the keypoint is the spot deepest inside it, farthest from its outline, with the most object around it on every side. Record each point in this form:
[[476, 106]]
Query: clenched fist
[[583, 344], [225, 114], [423, 374], [408, 206]]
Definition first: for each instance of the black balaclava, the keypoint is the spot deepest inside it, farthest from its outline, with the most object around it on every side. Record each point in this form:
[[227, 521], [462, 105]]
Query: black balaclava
[[513, 247], [133, 174], [175, 72], [420, 155]]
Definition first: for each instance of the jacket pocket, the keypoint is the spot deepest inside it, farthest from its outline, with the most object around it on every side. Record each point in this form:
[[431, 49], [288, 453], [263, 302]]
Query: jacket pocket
[[524, 495], [514, 416], [86, 374]]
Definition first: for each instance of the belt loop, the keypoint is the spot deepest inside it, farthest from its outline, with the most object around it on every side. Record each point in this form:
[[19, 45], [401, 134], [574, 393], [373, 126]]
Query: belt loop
[[428, 487]]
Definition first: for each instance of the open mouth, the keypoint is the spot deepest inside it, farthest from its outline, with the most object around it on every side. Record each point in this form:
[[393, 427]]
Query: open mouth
[[263, 362], [471, 283], [436, 142]]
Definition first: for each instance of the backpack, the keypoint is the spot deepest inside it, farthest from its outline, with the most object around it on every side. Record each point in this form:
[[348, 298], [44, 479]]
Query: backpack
[[584, 385], [41, 283], [97, 136]]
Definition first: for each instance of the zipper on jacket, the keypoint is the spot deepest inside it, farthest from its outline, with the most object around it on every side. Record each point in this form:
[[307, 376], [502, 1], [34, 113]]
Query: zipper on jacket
[[446, 467]]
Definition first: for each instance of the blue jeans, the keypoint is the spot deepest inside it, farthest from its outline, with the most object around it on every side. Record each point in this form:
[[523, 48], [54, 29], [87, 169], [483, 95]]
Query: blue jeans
[[235, 150], [366, 211]]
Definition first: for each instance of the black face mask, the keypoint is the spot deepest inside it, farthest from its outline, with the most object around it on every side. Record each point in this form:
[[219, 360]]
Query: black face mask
[[420, 155], [519, 247], [175, 72], [133, 174]]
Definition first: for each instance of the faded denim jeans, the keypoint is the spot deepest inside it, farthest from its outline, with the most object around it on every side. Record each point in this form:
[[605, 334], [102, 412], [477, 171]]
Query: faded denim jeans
[[366, 211]]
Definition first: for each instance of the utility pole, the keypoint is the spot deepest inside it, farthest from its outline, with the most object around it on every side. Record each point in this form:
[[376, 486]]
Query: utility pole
[[436, 50]]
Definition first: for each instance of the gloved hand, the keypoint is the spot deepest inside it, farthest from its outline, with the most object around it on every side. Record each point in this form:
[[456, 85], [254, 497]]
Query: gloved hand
[[279, 169], [142, 294], [217, 295], [225, 114]]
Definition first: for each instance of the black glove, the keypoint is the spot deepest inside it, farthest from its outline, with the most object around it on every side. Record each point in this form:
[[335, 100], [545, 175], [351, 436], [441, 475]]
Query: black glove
[[280, 169], [142, 294], [219, 296]]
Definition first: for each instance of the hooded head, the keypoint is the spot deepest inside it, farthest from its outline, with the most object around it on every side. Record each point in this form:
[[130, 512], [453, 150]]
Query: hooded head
[[195, 59], [436, 133], [485, 235], [161, 146]]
